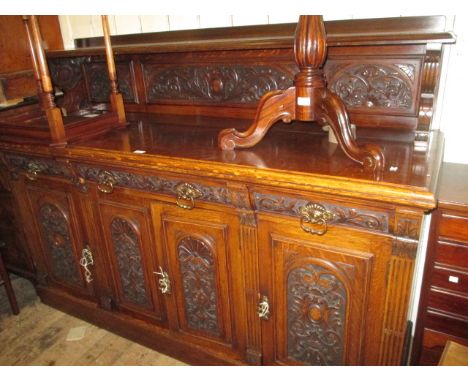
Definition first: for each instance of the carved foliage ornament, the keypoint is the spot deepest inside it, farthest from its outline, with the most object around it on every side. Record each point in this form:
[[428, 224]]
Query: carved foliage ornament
[[216, 83], [98, 81], [375, 85], [317, 306], [42, 165], [66, 73], [55, 230], [154, 184], [127, 253], [197, 266], [338, 214]]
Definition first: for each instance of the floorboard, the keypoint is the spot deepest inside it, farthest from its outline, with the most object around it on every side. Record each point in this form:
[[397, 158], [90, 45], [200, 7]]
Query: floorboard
[[38, 336]]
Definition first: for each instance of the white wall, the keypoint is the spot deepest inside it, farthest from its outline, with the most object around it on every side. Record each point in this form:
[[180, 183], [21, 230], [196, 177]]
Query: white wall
[[449, 113]]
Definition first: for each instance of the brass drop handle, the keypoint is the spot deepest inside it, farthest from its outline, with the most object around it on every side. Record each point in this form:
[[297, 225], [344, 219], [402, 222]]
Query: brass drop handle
[[263, 308], [164, 282], [186, 195], [33, 171], [316, 214], [85, 261], [106, 182]]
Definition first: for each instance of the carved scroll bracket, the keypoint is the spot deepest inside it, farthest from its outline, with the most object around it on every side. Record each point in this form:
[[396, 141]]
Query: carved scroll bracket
[[308, 100]]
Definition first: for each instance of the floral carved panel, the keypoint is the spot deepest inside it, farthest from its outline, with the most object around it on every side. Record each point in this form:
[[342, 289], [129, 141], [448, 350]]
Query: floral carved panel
[[57, 237], [383, 85], [97, 79], [128, 255], [214, 83], [198, 272], [316, 306]]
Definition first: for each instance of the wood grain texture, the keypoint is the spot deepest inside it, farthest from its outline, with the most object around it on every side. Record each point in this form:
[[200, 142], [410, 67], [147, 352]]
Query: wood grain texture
[[46, 338]]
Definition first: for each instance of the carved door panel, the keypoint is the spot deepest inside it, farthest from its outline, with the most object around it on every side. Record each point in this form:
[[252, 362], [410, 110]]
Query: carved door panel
[[314, 295], [61, 237], [131, 255], [202, 262]]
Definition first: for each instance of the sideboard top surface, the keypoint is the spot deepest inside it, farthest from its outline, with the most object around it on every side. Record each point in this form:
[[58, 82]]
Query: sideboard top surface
[[297, 156]]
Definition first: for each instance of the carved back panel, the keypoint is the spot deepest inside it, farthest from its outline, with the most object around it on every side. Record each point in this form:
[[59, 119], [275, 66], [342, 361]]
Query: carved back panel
[[381, 68]]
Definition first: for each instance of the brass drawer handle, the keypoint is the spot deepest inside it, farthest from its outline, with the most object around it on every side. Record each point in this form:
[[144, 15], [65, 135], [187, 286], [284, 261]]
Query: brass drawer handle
[[263, 309], [33, 171], [85, 261], [317, 214], [106, 182], [186, 195], [164, 282]]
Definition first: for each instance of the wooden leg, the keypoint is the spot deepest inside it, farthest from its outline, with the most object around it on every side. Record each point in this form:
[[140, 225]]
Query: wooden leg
[[9, 289], [273, 106], [333, 113]]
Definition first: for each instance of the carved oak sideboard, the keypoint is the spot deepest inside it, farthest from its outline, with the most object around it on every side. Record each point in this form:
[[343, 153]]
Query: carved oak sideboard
[[287, 253]]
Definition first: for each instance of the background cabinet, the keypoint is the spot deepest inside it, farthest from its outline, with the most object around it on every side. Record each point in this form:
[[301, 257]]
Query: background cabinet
[[443, 310]]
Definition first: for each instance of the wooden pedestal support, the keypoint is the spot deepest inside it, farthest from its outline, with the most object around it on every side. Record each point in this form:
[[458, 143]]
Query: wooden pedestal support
[[308, 100]]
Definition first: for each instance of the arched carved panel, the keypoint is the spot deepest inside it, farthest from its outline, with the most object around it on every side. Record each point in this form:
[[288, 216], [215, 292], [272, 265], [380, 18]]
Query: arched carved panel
[[58, 241], [198, 271], [316, 306], [128, 255], [375, 85]]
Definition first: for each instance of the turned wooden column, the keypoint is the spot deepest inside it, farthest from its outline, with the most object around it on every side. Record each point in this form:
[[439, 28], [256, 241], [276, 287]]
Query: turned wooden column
[[310, 51], [37, 74], [46, 95], [116, 98], [308, 100]]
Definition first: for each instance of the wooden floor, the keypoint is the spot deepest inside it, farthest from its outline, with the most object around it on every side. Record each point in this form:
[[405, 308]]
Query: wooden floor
[[38, 336]]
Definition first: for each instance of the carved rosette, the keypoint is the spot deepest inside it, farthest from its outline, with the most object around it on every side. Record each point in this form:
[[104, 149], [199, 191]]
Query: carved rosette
[[128, 256], [198, 271], [375, 85], [55, 231], [354, 217], [216, 83], [317, 306]]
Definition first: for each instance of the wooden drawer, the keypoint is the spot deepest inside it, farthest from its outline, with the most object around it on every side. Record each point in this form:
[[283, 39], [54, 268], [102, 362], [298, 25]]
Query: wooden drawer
[[452, 254], [450, 279], [334, 211], [186, 192], [441, 321], [454, 227], [448, 302]]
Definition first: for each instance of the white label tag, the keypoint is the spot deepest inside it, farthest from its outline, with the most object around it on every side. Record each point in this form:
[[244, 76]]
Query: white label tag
[[139, 152], [303, 101], [453, 279]]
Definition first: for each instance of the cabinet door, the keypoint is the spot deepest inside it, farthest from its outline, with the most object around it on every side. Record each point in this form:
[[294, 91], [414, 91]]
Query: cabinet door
[[203, 265], [131, 255], [314, 294], [57, 220]]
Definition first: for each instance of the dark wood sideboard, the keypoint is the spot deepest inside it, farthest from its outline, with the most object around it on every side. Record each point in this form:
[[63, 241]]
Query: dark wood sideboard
[[443, 312], [213, 256]]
